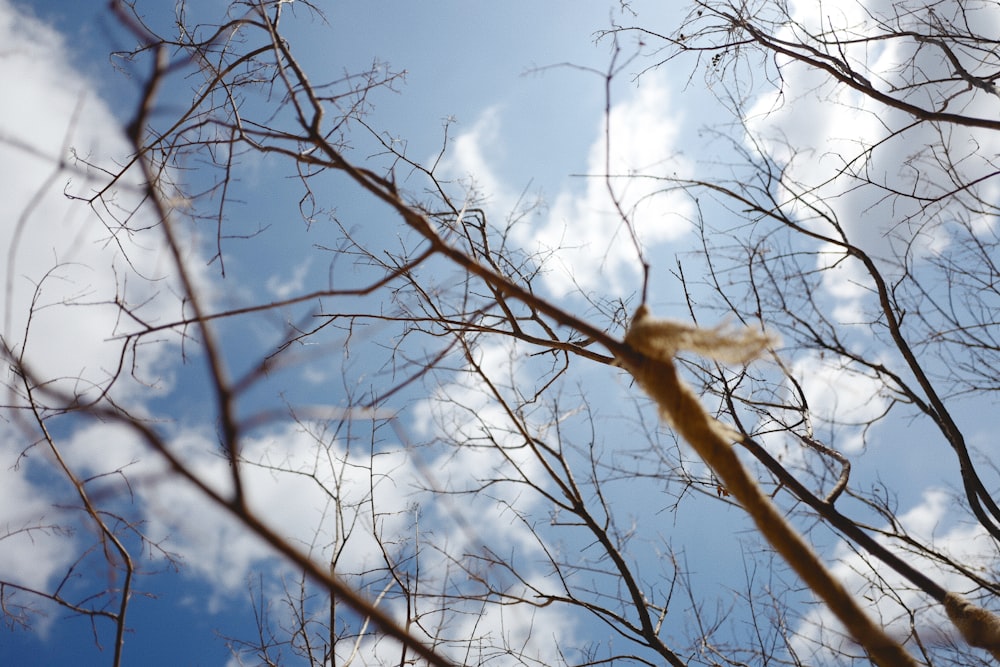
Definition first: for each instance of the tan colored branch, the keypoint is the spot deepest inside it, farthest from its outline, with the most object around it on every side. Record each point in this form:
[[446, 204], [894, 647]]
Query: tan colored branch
[[657, 341], [979, 627]]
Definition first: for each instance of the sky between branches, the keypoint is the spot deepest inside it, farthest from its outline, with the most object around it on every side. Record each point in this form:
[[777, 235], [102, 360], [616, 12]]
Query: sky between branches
[[519, 126]]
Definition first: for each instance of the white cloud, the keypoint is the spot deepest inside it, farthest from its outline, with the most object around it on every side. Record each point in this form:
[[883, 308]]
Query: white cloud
[[594, 245], [583, 238], [842, 404], [840, 398], [311, 489], [927, 523], [31, 548], [321, 495], [848, 155], [468, 160], [64, 267], [292, 483], [283, 288]]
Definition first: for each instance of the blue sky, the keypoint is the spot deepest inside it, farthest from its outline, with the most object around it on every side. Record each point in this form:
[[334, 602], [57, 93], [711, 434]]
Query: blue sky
[[520, 121]]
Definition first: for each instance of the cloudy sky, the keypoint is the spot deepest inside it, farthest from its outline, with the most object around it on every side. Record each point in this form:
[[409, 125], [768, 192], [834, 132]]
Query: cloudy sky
[[520, 88]]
